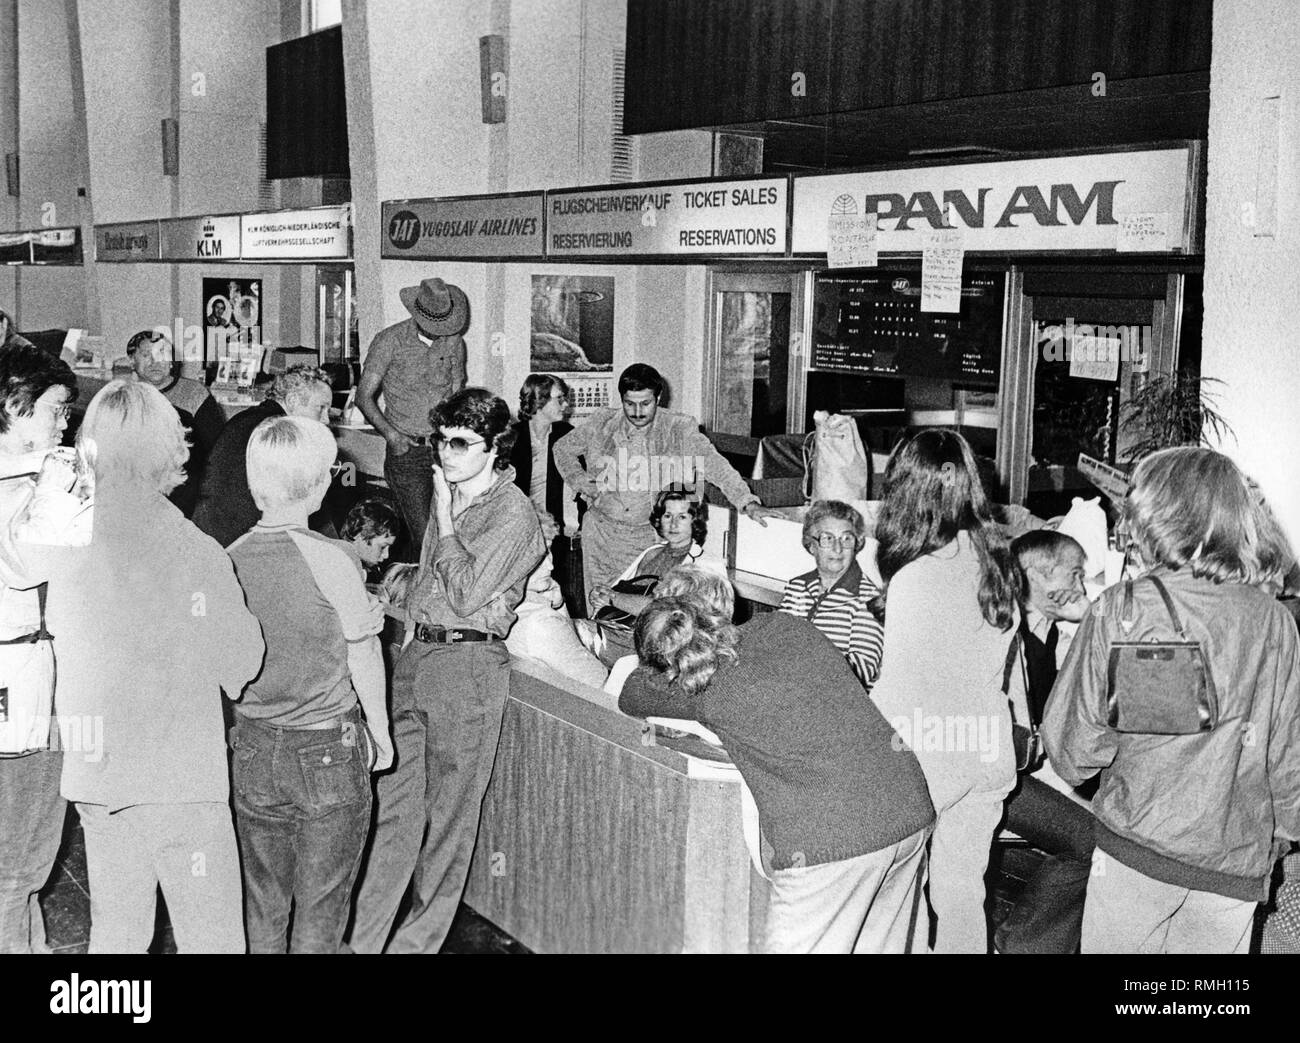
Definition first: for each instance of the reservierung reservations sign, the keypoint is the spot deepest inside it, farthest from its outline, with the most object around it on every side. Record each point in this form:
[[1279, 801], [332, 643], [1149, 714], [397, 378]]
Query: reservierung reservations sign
[[718, 218]]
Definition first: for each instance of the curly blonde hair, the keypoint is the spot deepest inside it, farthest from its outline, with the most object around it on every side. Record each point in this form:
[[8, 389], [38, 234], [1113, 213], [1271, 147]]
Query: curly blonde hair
[[686, 640]]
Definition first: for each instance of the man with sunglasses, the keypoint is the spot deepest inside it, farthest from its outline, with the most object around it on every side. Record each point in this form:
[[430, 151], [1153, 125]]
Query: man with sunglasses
[[451, 682]]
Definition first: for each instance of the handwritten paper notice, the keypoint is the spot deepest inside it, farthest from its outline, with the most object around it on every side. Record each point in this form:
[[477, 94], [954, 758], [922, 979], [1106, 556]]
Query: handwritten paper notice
[[941, 260], [1142, 233], [852, 241], [1093, 356]]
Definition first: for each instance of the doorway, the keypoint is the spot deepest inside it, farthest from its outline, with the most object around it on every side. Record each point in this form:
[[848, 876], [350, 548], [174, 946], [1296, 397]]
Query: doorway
[[1082, 344], [751, 388]]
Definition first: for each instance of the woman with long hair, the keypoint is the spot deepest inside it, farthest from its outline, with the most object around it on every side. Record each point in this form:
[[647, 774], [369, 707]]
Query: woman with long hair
[[1187, 819], [951, 604]]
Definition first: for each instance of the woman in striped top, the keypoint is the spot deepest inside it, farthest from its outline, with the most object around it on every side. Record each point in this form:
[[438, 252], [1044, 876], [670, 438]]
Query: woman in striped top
[[834, 596]]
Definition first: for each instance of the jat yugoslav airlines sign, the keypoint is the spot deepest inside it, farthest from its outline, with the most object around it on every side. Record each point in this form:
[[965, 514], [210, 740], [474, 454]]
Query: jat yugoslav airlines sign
[[720, 218], [470, 226], [1085, 202], [137, 241]]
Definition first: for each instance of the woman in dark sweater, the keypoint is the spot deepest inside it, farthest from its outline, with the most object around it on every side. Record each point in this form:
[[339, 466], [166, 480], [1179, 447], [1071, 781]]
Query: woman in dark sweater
[[841, 800]]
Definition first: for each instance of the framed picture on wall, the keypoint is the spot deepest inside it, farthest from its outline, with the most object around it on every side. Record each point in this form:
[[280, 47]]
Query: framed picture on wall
[[572, 324], [232, 315]]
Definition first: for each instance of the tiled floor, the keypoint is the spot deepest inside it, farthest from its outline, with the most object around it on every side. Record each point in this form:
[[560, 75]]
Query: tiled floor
[[66, 902]]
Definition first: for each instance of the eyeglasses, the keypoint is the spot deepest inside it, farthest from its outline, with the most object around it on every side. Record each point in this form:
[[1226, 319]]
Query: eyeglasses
[[455, 445], [61, 412], [829, 541]]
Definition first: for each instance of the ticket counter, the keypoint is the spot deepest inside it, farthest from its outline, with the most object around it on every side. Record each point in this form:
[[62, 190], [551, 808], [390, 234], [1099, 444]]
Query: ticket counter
[[592, 841]]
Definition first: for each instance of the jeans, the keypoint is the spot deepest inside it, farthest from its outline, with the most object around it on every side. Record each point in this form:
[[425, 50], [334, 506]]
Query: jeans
[[410, 479], [31, 826], [1048, 917], [448, 706], [302, 811], [188, 849]]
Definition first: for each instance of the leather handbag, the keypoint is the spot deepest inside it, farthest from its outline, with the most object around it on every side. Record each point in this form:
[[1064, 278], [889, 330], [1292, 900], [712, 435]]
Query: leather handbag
[[640, 585], [1159, 687]]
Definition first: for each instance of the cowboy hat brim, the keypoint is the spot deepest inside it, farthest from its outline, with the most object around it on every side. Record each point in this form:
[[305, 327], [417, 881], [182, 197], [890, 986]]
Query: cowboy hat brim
[[455, 321]]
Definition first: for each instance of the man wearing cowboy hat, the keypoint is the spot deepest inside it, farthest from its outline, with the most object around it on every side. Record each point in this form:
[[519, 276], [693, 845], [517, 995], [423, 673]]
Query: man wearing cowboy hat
[[415, 364]]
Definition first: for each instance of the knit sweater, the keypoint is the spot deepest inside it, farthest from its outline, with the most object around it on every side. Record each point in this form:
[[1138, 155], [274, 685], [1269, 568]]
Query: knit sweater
[[829, 776]]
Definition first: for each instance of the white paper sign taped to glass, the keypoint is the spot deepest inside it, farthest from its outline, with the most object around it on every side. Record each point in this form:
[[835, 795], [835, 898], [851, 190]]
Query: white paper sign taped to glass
[[718, 218], [200, 238], [941, 263], [501, 227], [136, 241], [1059, 203], [297, 234], [852, 242]]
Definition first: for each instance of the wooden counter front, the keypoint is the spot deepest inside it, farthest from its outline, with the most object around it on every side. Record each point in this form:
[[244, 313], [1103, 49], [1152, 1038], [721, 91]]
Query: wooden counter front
[[591, 841]]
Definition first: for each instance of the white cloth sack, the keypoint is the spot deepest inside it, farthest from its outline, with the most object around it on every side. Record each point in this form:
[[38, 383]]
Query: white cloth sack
[[837, 462]]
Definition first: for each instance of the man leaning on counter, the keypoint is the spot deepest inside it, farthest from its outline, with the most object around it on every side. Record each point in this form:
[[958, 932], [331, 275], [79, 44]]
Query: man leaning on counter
[[620, 459]]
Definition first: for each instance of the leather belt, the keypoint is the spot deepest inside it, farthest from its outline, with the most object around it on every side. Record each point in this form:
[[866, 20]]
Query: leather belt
[[434, 635]]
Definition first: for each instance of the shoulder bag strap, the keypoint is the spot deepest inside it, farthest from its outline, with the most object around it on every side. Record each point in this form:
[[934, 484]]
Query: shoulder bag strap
[[1013, 651], [1126, 617], [1169, 605]]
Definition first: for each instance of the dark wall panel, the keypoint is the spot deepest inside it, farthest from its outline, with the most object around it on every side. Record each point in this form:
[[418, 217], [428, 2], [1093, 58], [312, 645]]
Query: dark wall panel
[[700, 63]]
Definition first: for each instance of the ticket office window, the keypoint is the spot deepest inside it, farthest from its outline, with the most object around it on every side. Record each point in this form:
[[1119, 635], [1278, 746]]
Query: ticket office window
[[876, 356], [1081, 358]]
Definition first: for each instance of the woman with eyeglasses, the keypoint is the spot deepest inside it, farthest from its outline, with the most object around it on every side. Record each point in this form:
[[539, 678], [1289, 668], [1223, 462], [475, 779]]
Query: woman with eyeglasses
[[544, 405], [33, 415], [835, 596], [952, 603]]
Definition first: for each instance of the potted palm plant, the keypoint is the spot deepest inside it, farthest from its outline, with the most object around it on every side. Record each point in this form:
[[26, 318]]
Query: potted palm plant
[[1171, 410]]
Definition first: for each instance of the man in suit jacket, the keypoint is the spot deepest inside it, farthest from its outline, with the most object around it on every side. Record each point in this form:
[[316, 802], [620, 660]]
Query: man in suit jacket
[[225, 508]]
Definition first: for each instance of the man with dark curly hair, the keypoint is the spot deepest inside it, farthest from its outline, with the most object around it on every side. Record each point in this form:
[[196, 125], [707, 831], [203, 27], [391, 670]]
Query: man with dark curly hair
[[451, 683]]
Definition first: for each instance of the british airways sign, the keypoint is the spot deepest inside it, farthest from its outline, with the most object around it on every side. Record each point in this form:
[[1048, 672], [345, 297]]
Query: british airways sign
[[1064, 203]]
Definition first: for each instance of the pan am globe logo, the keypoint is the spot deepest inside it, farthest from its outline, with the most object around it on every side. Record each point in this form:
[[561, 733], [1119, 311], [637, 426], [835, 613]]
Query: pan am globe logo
[[844, 206], [404, 230]]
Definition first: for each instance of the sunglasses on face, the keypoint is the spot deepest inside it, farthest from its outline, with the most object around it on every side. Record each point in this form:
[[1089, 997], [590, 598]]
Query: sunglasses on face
[[455, 445]]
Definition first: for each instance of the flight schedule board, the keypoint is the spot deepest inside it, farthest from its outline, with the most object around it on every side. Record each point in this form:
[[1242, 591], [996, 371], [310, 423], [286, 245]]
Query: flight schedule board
[[871, 322]]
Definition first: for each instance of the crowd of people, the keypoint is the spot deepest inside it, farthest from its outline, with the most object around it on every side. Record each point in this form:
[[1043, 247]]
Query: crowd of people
[[919, 688]]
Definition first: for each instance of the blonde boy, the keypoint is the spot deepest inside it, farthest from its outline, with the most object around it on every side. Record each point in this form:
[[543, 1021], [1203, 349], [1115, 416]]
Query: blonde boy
[[302, 753]]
